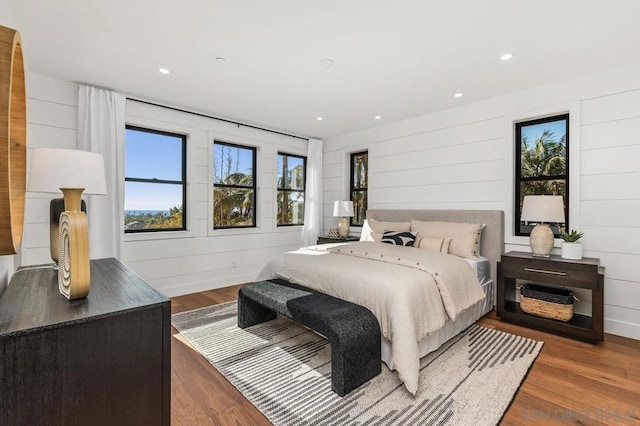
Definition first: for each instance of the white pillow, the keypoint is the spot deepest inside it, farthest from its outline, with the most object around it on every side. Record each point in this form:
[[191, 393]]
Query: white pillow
[[440, 245], [372, 229], [465, 237]]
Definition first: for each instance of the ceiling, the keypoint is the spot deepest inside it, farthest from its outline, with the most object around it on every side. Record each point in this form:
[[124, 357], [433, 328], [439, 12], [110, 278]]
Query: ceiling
[[394, 59]]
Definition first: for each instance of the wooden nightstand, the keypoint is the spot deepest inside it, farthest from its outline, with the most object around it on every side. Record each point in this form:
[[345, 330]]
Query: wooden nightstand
[[586, 273], [329, 240]]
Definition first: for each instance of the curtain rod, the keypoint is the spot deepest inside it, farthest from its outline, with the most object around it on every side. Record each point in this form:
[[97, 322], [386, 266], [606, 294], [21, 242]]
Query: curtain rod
[[199, 114]]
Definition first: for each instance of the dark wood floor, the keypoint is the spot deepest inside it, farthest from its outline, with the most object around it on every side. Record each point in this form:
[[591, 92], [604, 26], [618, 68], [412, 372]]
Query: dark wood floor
[[570, 383]]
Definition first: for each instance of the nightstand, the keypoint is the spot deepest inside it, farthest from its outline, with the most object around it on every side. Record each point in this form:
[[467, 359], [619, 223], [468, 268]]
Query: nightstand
[[329, 240], [585, 273]]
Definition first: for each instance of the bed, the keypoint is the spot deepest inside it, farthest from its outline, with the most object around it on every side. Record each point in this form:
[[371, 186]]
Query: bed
[[421, 298]]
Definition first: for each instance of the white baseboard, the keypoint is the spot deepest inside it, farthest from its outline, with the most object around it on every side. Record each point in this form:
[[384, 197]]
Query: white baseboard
[[196, 287], [621, 328]]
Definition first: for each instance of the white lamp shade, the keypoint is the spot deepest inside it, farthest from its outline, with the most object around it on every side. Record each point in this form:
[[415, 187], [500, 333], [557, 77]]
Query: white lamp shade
[[343, 208], [52, 169], [543, 208]]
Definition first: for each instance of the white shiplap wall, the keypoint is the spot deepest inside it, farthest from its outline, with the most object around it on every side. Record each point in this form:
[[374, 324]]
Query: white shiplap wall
[[52, 121], [462, 158], [175, 263], [610, 200]]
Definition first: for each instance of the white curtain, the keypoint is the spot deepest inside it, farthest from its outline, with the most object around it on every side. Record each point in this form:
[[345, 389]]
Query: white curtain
[[101, 129], [313, 194]]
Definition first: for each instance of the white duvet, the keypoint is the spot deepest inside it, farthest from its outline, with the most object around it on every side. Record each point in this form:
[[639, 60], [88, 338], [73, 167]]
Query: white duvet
[[412, 292]]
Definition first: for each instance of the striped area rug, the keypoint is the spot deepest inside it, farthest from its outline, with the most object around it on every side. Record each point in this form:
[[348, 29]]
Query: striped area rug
[[284, 370]]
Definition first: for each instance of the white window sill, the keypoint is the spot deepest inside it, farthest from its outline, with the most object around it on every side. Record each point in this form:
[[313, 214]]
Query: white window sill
[[157, 235]]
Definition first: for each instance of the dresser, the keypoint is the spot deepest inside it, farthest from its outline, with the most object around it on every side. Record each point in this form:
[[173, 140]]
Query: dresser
[[103, 360]]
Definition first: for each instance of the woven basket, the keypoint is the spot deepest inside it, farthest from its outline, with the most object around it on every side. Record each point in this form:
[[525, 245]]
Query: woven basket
[[552, 303]]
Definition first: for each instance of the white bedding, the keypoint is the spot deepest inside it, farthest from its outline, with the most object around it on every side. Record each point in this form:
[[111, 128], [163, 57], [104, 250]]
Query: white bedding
[[411, 292]]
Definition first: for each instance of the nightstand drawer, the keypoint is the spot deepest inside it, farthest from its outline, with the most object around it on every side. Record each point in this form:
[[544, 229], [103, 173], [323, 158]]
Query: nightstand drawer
[[558, 272]]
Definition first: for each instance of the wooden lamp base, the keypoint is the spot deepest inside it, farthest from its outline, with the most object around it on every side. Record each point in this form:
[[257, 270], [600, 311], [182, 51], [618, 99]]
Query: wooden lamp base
[[74, 274], [56, 207]]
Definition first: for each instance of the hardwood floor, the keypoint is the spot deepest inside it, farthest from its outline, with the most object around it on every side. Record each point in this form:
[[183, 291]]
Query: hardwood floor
[[570, 382]]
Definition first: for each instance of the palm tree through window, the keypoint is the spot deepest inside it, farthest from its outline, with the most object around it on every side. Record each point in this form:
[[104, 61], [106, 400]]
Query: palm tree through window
[[359, 186], [234, 186], [290, 182], [542, 166]]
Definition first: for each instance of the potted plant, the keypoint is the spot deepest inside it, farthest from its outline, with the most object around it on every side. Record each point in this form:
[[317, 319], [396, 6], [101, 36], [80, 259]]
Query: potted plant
[[571, 248]]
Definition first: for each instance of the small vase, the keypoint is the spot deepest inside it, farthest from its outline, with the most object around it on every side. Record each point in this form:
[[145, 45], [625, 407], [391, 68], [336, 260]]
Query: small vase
[[571, 250]]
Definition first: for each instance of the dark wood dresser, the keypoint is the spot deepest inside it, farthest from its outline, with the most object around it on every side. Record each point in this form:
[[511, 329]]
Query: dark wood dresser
[[103, 360]]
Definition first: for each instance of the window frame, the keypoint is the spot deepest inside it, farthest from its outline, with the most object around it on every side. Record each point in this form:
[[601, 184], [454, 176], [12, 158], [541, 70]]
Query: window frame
[[359, 189], [287, 190], [254, 187], [182, 182], [518, 179]]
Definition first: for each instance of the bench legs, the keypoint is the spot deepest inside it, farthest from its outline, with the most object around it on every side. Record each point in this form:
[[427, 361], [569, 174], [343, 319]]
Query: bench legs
[[352, 330], [252, 313], [355, 358], [354, 334]]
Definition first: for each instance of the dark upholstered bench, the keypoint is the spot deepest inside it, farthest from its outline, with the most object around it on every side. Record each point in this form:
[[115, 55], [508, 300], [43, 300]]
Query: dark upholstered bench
[[351, 329]]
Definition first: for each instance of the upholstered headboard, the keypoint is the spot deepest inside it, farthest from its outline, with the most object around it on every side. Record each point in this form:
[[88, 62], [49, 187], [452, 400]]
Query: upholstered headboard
[[491, 243]]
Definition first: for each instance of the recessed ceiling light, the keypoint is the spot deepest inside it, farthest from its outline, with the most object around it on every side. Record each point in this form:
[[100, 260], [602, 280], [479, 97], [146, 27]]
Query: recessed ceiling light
[[506, 56], [326, 62], [378, 117], [163, 71], [458, 95], [319, 118], [220, 59]]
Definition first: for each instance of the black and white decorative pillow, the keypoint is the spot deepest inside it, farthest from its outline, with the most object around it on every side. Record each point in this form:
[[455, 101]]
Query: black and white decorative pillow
[[402, 238]]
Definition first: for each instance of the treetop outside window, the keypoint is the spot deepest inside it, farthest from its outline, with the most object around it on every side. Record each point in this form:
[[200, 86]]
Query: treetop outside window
[[155, 180], [290, 182], [542, 165], [234, 186], [358, 187]]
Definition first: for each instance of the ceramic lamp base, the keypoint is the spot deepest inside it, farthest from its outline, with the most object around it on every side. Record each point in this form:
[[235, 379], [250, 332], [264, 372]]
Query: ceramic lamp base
[[541, 240], [343, 227]]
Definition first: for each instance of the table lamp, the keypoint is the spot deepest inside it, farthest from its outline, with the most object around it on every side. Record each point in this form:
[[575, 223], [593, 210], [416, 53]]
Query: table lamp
[[543, 209], [343, 209], [72, 172]]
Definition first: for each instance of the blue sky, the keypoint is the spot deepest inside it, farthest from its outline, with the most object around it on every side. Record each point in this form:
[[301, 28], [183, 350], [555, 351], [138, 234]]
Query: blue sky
[[241, 161], [535, 131], [292, 164], [150, 155], [157, 156]]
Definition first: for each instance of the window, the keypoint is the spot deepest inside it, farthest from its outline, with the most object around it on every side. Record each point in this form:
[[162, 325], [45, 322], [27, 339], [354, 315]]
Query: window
[[155, 189], [290, 175], [542, 166], [234, 186], [358, 186]]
